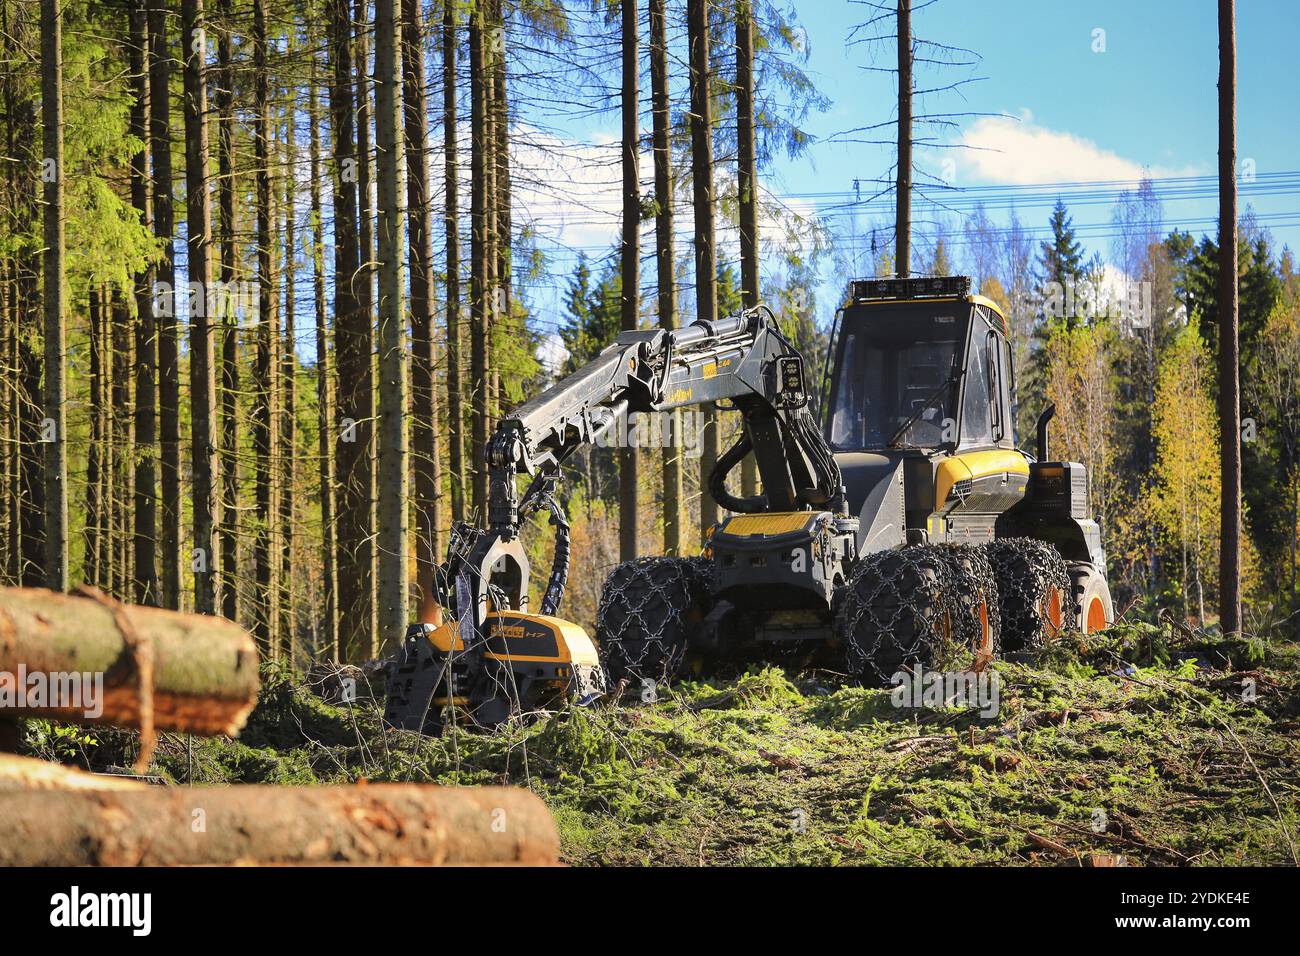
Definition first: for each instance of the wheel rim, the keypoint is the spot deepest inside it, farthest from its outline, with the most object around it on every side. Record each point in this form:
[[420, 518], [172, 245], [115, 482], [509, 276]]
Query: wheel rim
[[984, 647], [1052, 612], [1095, 620]]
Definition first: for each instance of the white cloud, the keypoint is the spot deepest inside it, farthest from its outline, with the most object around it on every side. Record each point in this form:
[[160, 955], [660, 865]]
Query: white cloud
[[1016, 151]]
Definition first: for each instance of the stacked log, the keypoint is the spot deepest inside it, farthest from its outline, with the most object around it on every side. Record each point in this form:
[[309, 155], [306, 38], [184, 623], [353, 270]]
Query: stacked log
[[183, 672], [24, 773], [379, 824], [156, 669]]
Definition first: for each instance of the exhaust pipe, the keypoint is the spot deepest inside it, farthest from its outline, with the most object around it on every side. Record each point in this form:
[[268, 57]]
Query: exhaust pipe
[[1048, 413]]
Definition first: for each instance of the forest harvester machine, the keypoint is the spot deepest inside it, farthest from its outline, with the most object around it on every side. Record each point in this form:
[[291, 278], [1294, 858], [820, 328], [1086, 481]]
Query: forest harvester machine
[[907, 531]]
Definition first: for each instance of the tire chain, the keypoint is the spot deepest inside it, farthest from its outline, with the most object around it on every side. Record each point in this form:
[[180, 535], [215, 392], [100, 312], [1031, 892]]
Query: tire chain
[[894, 612], [976, 584], [1026, 569], [641, 621]]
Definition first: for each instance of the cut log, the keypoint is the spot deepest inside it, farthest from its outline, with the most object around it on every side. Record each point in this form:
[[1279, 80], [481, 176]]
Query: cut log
[[201, 672], [26, 773], [389, 824]]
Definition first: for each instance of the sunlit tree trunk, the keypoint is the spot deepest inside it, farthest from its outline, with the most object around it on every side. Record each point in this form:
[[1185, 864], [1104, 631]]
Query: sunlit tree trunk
[[706, 263], [1229, 352], [664, 265], [451, 212], [203, 449], [630, 264], [166, 302], [426, 454], [393, 476]]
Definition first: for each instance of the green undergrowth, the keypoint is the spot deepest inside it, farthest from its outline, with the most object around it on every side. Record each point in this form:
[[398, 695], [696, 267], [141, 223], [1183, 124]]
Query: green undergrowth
[[1161, 746]]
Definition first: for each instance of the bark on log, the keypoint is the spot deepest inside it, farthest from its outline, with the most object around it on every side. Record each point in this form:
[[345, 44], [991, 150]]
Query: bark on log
[[389, 824], [204, 669], [19, 774]]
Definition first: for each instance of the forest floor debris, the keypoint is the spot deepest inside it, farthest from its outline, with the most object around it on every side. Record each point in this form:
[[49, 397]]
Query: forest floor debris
[[1141, 746]]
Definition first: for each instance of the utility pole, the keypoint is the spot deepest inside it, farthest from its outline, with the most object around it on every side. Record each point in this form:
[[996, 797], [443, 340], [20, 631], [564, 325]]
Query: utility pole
[[903, 217]]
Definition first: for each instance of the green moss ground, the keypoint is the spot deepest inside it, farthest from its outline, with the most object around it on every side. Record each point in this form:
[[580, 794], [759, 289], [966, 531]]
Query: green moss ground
[[1137, 744]]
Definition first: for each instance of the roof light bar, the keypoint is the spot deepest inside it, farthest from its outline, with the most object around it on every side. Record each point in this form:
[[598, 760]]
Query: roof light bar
[[920, 287]]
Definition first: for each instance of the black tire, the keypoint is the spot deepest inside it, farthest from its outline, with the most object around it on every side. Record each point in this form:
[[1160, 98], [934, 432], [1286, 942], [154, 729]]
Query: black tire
[[897, 612], [648, 609], [977, 624], [1033, 591], [1094, 610]]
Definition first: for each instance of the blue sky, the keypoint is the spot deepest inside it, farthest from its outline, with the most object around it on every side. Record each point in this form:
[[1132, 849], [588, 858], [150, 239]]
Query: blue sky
[[1147, 102], [1048, 109]]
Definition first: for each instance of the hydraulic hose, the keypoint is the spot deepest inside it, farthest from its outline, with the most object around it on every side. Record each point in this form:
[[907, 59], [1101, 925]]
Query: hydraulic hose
[[560, 563], [718, 481]]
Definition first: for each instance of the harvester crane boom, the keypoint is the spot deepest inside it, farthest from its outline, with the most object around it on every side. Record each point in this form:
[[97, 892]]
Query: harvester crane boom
[[743, 359]]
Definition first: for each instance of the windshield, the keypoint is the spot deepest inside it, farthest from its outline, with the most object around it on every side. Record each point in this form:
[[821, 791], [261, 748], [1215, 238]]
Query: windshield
[[895, 381]]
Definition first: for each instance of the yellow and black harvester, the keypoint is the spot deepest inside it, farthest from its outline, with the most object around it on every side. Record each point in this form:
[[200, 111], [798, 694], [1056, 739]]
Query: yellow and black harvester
[[906, 530]]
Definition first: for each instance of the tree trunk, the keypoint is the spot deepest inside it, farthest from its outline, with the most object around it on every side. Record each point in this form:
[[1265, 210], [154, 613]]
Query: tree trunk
[[266, 616], [665, 267], [107, 452], [903, 193], [357, 506], [1229, 353], [630, 263], [747, 189], [229, 321], [288, 437], [202, 671], [354, 564], [480, 250], [451, 212], [27, 515], [92, 566], [394, 530], [55, 394], [203, 454], [424, 406], [380, 824], [123, 437], [706, 268], [324, 386], [169, 379], [145, 519], [502, 315]]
